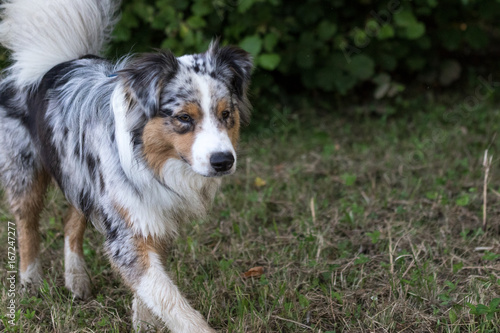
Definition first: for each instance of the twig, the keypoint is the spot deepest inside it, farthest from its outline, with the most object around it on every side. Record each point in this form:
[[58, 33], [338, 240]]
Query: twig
[[321, 242], [391, 258], [482, 267], [313, 211], [486, 164], [209, 311], [293, 322], [495, 192], [483, 248]]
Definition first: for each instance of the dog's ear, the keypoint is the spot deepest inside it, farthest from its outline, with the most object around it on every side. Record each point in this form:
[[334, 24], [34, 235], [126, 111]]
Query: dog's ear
[[234, 65], [145, 76]]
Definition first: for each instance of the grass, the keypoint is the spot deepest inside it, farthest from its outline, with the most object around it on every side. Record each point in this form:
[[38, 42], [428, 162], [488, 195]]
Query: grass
[[362, 223]]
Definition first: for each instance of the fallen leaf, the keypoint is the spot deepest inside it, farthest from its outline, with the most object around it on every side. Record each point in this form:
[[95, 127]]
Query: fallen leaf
[[259, 182], [279, 168], [253, 272]]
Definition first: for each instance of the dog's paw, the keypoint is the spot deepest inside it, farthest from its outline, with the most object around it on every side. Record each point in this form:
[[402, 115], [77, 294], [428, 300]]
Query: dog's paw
[[79, 284], [76, 278], [31, 278]]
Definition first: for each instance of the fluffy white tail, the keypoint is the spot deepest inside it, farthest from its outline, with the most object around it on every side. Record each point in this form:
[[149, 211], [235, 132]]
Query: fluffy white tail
[[44, 33]]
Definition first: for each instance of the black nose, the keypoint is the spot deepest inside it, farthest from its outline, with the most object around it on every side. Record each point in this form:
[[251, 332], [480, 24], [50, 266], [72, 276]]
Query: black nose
[[222, 161]]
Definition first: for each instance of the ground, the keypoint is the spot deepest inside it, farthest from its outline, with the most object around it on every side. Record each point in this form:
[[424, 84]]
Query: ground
[[363, 221]]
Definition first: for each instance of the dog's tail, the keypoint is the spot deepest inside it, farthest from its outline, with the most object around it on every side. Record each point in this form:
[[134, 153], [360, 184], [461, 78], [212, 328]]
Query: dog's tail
[[43, 33]]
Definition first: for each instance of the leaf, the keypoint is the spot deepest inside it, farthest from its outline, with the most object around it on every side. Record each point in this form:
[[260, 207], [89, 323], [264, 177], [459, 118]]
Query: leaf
[[387, 61], [344, 82], [360, 38], [201, 8], [252, 44], [253, 272], [386, 31], [404, 18], [395, 89], [196, 22], [326, 30], [490, 256], [462, 201], [407, 20], [270, 41], [375, 236], [381, 90], [259, 182], [471, 307], [244, 5], [305, 58], [457, 267], [362, 259], [453, 316], [383, 82], [494, 304], [432, 3], [349, 179], [362, 67], [450, 38], [325, 77], [416, 63], [476, 37], [415, 30], [269, 61], [482, 309], [144, 11]]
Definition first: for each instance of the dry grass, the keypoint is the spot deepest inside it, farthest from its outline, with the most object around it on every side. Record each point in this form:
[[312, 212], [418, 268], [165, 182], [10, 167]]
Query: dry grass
[[362, 225]]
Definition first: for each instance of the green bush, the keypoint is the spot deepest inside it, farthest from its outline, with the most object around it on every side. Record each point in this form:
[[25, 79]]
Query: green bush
[[327, 47]]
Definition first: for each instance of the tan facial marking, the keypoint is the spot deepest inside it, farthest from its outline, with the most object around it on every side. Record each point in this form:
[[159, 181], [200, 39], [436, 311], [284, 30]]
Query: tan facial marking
[[158, 144], [163, 140], [193, 110], [234, 132], [234, 120], [221, 107]]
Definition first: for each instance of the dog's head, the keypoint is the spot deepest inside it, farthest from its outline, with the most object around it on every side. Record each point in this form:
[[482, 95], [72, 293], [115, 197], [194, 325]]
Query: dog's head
[[191, 107]]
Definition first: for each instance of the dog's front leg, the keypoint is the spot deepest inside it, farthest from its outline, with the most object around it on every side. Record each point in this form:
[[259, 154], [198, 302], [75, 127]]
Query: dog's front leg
[[158, 293], [139, 262]]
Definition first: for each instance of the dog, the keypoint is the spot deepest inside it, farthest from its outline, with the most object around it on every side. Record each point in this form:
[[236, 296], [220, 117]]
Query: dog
[[137, 146]]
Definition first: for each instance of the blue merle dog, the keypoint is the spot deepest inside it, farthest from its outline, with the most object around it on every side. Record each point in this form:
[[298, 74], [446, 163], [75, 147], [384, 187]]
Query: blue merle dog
[[137, 147]]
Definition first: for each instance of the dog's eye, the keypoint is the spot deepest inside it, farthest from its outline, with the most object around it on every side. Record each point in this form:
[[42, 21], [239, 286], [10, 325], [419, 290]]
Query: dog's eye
[[185, 118], [225, 114]]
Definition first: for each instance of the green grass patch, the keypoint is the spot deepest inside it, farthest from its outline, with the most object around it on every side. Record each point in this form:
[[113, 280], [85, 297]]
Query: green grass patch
[[361, 224]]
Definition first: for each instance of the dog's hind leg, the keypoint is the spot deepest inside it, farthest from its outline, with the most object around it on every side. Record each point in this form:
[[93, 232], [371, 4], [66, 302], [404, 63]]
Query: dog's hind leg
[[26, 207], [75, 271], [23, 178]]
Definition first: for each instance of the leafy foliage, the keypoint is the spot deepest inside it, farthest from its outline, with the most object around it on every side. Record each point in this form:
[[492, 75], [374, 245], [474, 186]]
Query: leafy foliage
[[329, 46]]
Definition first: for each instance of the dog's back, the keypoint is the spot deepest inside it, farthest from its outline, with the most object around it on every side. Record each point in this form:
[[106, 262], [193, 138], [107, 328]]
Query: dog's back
[[40, 35]]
